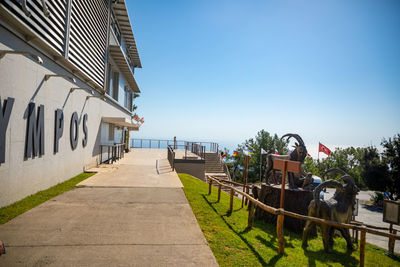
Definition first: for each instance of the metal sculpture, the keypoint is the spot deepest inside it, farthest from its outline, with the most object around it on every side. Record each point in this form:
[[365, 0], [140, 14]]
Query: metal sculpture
[[298, 154], [339, 208]]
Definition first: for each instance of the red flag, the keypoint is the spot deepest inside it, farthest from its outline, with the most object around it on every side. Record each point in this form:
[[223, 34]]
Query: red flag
[[324, 149], [308, 155]]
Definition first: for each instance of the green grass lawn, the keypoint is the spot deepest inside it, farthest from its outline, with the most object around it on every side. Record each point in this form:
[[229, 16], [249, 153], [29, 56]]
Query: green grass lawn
[[9, 212], [233, 244]]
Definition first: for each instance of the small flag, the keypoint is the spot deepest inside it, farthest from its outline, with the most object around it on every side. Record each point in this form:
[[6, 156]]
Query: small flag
[[308, 155], [136, 118], [276, 152], [250, 152], [235, 153], [324, 149], [223, 155], [263, 152], [141, 120]]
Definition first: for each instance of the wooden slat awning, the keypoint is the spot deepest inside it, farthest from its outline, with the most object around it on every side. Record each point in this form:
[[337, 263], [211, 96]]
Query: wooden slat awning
[[121, 121], [121, 12], [120, 59]]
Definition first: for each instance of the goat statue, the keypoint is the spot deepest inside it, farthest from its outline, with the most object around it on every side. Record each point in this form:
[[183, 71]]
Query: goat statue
[[298, 154], [339, 208]]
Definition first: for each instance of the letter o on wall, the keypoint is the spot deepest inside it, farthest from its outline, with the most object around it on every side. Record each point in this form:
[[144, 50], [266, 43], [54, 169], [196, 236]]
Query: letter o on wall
[[74, 130]]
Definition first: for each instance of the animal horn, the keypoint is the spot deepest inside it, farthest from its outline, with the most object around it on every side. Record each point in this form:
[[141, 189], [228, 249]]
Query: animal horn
[[335, 170], [347, 178], [329, 183], [296, 136]]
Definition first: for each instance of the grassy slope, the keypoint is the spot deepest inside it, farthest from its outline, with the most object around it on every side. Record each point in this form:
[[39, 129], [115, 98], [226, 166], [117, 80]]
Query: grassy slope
[[9, 212], [235, 245]]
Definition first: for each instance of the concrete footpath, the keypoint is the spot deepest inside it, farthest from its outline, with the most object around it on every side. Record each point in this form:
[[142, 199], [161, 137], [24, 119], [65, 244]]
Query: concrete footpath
[[126, 215]]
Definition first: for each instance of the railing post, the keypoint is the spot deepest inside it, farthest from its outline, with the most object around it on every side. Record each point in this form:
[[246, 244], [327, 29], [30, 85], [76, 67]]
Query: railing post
[[173, 162], [209, 186], [391, 240], [279, 225], [231, 201], [158, 143], [362, 248], [219, 192], [247, 192], [251, 215], [141, 142]]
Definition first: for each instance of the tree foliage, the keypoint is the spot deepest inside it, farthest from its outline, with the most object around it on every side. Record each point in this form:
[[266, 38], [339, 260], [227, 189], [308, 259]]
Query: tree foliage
[[369, 168], [264, 140], [391, 157], [374, 170], [347, 159]]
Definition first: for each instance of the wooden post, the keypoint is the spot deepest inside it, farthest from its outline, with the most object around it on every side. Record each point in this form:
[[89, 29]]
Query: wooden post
[[231, 201], [245, 177], [219, 192], [251, 215], [362, 248], [246, 200], [209, 186], [279, 225], [391, 240], [284, 166]]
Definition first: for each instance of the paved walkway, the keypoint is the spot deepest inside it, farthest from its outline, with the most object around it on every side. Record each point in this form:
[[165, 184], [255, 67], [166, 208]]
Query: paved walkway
[[126, 215]]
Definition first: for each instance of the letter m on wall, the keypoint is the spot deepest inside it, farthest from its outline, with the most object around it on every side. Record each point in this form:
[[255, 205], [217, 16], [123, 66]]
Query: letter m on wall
[[35, 132], [5, 112]]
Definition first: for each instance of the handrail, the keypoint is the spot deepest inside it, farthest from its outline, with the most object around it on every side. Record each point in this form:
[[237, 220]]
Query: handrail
[[363, 228], [226, 170]]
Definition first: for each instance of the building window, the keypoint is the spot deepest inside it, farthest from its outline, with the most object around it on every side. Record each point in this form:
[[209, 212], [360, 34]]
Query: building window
[[128, 96], [111, 132], [115, 27], [110, 80], [112, 83], [115, 85]]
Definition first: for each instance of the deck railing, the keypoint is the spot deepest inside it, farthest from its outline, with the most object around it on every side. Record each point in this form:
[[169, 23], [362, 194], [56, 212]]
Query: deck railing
[[164, 143], [171, 157], [113, 153]]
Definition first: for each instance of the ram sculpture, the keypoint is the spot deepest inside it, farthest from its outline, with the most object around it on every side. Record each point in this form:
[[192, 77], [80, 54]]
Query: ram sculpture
[[339, 208], [298, 154]]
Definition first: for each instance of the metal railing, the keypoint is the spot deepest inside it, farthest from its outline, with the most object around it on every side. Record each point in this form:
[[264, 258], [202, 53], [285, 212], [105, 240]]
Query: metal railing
[[164, 143], [114, 153], [171, 157]]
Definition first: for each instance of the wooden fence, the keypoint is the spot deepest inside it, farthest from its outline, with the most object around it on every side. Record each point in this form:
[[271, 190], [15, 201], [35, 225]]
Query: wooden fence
[[254, 202]]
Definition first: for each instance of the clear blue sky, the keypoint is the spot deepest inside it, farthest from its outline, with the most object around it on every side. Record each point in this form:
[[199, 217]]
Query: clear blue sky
[[223, 70]]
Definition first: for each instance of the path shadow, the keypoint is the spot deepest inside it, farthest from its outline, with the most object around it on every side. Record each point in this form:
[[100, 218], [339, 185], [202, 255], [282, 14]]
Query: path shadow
[[372, 208]]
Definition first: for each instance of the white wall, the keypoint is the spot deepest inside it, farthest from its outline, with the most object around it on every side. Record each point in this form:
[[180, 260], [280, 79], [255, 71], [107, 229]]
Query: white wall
[[23, 79]]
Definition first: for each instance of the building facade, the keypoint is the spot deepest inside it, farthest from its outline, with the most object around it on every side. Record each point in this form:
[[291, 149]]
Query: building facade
[[66, 89]]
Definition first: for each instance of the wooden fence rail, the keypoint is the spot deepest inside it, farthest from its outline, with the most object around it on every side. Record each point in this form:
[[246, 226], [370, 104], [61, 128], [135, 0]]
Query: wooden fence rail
[[254, 202]]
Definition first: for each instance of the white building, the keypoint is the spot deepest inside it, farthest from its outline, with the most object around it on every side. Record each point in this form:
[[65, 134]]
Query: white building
[[66, 90]]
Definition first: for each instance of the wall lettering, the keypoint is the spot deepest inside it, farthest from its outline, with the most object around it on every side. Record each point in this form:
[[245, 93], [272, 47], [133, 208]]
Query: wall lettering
[[35, 132], [74, 130], [58, 128], [34, 141], [5, 113], [85, 130]]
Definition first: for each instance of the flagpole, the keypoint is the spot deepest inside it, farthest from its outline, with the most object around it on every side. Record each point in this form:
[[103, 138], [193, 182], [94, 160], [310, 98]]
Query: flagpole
[[245, 176], [260, 166]]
